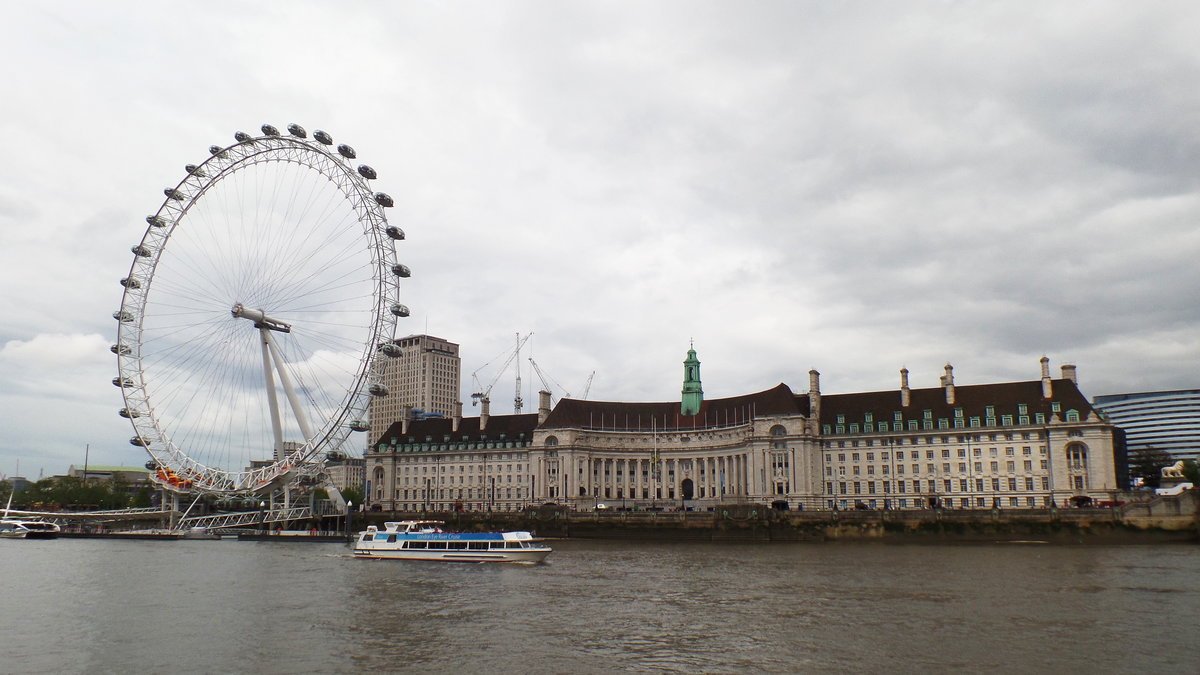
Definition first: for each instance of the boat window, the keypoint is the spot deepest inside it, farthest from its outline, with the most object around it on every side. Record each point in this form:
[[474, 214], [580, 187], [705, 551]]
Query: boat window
[[417, 544], [512, 544], [437, 544], [366, 537], [391, 538], [456, 544], [478, 546]]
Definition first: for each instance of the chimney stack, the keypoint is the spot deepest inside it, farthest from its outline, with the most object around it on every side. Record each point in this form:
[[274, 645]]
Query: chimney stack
[[456, 419], [948, 383], [406, 416], [543, 406], [1047, 391], [814, 394], [485, 407], [905, 392], [1068, 373]]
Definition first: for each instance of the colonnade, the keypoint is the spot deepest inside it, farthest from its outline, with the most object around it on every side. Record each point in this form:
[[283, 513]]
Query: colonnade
[[628, 477]]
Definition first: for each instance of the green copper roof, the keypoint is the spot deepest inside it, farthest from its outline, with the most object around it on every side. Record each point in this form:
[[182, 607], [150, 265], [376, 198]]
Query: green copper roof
[[693, 393]]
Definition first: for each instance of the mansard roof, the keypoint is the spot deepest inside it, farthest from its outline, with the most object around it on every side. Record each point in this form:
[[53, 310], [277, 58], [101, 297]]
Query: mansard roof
[[436, 429], [974, 399], [614, 415]]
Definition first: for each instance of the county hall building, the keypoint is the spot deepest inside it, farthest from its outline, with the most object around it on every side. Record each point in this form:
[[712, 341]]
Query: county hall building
[[1027, 444]]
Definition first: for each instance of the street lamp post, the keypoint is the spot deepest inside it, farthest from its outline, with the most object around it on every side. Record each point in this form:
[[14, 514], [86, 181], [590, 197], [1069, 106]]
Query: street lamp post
[[349, 518]]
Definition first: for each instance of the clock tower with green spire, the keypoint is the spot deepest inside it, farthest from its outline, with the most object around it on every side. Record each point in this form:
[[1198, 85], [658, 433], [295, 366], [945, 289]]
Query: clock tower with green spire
[[693, 394]]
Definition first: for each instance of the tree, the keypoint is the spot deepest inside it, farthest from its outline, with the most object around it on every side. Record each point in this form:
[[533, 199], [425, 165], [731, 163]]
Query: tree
[[1147, 464], [1191, 469], [353, 495]]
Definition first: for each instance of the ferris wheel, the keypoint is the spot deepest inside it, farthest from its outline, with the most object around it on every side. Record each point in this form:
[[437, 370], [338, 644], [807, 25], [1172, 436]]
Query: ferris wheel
[[264, 289]]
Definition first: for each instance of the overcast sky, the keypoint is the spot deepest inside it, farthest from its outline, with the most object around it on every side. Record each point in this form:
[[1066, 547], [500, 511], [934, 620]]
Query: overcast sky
[[851, 187]]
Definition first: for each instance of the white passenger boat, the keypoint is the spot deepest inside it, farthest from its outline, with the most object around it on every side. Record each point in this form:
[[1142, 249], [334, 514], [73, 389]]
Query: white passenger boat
[[426, 540], [11, 528], [25, 528]]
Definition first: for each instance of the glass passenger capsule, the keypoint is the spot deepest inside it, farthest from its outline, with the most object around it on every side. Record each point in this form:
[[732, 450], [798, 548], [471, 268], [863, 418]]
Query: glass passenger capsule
[[322, 137], [401, 271], [383, 199], [346, 151], [399, 310], [297, 131], [394, 232], [367, 172], [269, 130]]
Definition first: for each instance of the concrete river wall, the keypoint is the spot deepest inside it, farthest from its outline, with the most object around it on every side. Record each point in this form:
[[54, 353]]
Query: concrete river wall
[[1162, 519]]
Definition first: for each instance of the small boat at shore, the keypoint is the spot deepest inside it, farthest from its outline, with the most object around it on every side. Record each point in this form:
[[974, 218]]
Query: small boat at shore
[[25, 528], [12, 528], [427, 540]]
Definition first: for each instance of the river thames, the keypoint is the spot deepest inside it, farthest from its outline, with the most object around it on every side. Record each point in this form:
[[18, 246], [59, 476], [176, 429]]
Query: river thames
[[111, 606]]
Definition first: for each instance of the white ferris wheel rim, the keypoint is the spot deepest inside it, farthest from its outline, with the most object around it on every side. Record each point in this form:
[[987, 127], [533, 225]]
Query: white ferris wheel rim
[[168, 413]]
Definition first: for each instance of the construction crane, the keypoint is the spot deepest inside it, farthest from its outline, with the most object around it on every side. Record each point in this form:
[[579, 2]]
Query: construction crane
[[546, 385], [485, 393]]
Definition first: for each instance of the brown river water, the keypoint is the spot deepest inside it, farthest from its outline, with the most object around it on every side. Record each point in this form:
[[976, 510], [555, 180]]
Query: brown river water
[[111, 606]]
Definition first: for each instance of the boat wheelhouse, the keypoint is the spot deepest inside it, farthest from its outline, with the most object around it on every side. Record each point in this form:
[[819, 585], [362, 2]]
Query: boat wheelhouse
[[427, 540]]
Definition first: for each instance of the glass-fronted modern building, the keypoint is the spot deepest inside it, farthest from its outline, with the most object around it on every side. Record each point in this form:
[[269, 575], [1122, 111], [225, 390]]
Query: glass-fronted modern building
[[1161, 420]]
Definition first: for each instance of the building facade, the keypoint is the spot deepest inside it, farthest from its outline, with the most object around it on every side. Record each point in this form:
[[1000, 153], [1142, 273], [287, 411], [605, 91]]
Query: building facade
[[426, 376], [1168, 421], [1024, 444]]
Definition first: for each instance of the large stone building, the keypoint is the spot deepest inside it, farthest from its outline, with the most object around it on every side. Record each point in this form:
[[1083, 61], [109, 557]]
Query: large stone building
[[1167, 421], [426, 376], [1012, 445]]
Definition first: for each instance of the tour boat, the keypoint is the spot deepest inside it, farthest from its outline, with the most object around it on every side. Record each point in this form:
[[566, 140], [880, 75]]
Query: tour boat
[[25, 528], [426, 540], [28, 529]]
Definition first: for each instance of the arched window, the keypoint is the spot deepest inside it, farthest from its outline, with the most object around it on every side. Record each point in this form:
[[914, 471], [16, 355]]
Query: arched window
[[551, 441], [1077, 457], [778, 430]]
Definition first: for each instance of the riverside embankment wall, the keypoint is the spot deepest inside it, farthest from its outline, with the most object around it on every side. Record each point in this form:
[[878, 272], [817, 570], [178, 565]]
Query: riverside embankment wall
[[1165, 519]]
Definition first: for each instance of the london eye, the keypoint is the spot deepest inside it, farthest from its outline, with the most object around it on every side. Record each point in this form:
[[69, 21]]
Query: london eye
[[262, 291]]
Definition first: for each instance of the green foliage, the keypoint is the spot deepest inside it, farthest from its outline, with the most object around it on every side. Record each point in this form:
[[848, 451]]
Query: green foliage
[[1148, 464], [1191, 469], [353, 495], [142, 499], [72, 493]]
